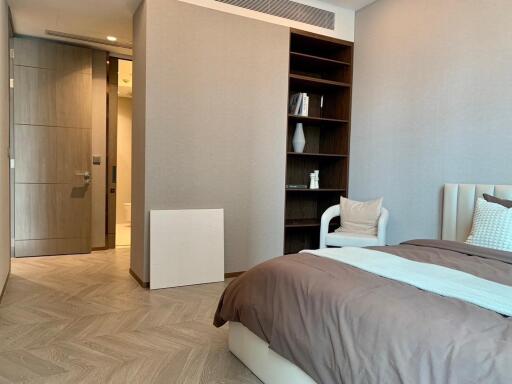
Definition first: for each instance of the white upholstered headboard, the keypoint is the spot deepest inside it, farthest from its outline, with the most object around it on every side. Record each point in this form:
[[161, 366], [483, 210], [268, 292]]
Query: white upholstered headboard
[[459, 203]]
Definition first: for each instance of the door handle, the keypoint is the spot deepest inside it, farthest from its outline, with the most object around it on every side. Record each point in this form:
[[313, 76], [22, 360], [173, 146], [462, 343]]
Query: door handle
[[86, 175]]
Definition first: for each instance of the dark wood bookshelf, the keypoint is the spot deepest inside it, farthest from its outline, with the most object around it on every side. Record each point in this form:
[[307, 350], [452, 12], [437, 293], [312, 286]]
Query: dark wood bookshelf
[[319, 155], [320, 190], [308, 223], [322, 67], [313, 119], [305, 60], [316, 82]]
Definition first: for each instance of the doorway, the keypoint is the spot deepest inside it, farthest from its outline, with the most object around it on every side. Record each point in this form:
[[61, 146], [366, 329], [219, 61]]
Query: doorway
[[124, 154], [69, 148], [51, 147], [119, 143]]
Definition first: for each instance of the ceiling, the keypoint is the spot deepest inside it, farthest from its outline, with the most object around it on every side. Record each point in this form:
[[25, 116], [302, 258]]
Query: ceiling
[[96, 19], [350, 4]]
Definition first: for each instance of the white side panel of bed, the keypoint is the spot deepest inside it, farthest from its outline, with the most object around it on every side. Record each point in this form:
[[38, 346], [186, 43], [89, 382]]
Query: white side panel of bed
[[459, 204], [186, 247], [261, 360]]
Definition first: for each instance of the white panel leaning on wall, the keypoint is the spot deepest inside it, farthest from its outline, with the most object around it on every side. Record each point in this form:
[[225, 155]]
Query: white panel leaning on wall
[[186, 247]]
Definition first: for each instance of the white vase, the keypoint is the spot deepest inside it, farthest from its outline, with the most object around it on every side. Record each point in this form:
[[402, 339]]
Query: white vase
[[299, 140]]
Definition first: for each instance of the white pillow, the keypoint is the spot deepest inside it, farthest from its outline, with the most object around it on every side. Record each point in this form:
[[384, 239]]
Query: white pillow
[[492, 226], [359, 217]]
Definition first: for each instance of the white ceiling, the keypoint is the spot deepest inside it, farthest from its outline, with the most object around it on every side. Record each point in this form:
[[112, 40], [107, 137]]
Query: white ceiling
[[350, 4], [92, 18], [95, 19]]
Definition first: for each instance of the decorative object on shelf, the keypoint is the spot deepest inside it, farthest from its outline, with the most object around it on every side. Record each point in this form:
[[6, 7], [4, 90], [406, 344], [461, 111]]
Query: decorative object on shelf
[[314, 180], [296, 186], [299, 140]]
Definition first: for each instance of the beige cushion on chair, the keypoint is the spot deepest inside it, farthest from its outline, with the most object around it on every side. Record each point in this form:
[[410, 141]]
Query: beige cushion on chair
[[359, 217], [342, 239]]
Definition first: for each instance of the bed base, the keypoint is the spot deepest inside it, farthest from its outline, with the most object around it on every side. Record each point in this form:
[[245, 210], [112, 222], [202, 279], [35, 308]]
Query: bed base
[[261, 360]]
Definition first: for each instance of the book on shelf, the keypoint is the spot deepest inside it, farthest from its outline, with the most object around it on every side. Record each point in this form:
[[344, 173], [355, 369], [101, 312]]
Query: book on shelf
[[299, 104], [296, 186], [304, 108], [295, 103]]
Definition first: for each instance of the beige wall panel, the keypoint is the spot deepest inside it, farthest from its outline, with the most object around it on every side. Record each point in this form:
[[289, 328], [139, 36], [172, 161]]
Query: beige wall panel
[[73, 154], [49, 55], [56, 211], [73, 99], [51, 247], [51, 154], [35, 53], [34, 96], [60, 97], [74, 59], [37, 158], [37, 200]]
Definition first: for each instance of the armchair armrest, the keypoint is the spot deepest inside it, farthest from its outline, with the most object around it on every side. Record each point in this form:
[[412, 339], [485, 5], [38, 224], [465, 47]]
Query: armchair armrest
[[382, 226], [329, 214]]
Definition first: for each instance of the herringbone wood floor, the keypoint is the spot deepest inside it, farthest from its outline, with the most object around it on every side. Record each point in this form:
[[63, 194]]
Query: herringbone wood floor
[[83, 319]]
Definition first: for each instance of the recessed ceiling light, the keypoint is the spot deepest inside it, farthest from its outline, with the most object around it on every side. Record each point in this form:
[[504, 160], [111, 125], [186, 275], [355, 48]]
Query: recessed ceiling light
[[111, 38]]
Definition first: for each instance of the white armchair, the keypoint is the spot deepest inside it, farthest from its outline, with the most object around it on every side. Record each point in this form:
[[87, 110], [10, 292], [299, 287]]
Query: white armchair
[[344, 239]]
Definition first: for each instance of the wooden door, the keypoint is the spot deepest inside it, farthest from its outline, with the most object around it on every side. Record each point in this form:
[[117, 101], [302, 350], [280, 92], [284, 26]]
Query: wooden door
[[52, 148]]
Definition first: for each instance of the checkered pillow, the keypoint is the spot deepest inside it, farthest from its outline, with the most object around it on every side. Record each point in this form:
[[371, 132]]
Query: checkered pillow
[[492, 226]]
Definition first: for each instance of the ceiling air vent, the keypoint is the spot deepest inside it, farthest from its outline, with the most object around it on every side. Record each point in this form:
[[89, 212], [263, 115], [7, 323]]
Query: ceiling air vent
[[289, 10]]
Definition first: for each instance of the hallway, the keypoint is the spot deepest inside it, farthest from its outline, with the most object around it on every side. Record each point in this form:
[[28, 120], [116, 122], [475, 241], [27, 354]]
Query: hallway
[[83, 319]]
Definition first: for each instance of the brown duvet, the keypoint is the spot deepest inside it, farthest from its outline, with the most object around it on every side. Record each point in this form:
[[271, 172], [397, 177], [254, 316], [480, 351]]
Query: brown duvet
[[344, 325]]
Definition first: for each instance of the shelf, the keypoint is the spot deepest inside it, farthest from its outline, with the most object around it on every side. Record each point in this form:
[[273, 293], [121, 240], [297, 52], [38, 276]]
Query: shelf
[[315, 82], [338, 190], [322, 46], [312, 119], [317, 59], [320, 155], [306, 223], [321, 67]]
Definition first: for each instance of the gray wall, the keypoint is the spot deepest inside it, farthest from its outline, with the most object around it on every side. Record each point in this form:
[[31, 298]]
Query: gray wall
[[215, 124], [432, 103], [5, 237], [139, 236]]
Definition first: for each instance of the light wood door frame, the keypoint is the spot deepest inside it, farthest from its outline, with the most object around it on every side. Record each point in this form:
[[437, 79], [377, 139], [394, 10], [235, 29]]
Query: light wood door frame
[[112, 102], [11, 132]]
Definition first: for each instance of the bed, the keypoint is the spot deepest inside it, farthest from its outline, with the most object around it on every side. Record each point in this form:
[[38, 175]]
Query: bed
[[307, 318]]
